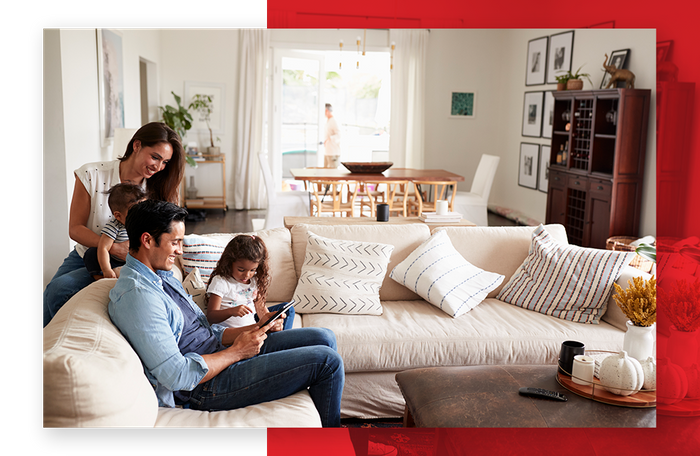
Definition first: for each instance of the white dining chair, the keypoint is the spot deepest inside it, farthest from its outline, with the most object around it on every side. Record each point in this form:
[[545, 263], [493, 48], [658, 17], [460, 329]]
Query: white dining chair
[[473, 204], [280, 204]]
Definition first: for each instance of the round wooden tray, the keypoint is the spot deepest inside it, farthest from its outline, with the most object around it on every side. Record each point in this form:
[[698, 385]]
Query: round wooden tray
[[596, 392]]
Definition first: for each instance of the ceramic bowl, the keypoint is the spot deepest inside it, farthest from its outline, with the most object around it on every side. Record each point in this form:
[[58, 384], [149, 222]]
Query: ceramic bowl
[[367, 167]]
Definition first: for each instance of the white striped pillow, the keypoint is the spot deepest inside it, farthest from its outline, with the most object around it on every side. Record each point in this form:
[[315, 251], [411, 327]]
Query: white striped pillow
[[202, 253], [565, 281], [441, 276]]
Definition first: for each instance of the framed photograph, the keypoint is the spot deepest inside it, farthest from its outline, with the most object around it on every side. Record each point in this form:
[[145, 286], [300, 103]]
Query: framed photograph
[[543, 178], [110, 83], [619, 60], [548, 115], [463, 105], [561, 48], [218, 97], [663, 50], [536, 61], [529, 167], [532, 114]]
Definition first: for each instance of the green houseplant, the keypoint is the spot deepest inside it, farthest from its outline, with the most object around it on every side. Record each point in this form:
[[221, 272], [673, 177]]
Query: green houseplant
[[204, 106], [180, 120], [573, 80]]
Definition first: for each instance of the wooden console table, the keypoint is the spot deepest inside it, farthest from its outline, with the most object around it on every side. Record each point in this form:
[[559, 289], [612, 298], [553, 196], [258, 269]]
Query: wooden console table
[[289, 222], [208, 202]]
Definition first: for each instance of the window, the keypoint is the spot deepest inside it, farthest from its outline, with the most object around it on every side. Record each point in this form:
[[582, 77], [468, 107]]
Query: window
[[304, 81]]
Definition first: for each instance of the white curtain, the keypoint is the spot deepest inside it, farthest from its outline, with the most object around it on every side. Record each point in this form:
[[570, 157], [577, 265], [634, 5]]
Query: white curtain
[[247, 179], [408, 98]]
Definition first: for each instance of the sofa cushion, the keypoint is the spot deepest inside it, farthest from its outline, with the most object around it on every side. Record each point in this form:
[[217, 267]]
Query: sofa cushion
[[92, 376], [497, 249], [404, 238], [566, 281], [279, 246], [439, 274], [297, 410], [412, 334], [341, 276]]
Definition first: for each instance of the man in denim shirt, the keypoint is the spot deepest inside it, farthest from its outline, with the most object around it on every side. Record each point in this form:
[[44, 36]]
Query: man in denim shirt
[[209, 367]]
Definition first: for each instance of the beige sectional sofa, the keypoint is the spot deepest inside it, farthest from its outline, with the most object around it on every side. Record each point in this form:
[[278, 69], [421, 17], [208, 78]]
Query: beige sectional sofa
[[88, 365]]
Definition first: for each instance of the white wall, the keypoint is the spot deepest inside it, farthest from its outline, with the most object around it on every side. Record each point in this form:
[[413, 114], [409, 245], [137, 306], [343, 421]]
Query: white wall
[[71, 127], [492, 62]]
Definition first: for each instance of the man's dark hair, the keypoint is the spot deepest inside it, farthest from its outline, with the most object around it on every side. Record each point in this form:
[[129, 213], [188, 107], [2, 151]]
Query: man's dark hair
[[153, 217], [329, 107]]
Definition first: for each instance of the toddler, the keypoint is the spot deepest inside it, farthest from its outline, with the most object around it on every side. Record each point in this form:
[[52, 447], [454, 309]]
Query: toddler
[[237, 287], [99, 263]]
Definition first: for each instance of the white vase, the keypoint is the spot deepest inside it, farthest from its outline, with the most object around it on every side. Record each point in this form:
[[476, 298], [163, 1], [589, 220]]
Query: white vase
[[639, 341]]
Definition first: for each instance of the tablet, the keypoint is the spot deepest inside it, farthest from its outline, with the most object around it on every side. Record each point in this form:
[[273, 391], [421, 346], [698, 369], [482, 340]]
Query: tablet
[[279, 313]]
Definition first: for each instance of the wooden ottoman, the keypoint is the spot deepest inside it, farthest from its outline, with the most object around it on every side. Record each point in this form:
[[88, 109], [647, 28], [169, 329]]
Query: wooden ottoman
[[487, 396]]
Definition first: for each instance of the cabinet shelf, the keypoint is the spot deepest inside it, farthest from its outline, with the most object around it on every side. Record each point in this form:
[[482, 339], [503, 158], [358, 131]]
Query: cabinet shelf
[[602, 131]]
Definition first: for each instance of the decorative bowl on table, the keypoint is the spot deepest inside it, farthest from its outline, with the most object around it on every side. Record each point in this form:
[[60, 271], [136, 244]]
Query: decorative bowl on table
[[367, 167]]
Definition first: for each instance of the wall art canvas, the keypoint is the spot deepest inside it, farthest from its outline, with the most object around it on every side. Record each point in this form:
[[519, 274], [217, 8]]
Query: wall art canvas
[[529, 166], [217, 93], [463, 104], [532, 114], [110, 83], [536, 61], [543, 178], [548, 115], [561, 48]]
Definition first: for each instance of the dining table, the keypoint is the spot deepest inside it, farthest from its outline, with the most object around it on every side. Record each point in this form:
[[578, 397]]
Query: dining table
[[391, 174]]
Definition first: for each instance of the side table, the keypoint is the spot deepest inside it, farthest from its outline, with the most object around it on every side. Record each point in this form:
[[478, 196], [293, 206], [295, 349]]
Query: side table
[[487, 396]]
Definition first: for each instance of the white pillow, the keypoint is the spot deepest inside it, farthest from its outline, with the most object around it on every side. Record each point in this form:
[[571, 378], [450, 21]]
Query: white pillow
[[342, 277], [441, 276], [194, 286]]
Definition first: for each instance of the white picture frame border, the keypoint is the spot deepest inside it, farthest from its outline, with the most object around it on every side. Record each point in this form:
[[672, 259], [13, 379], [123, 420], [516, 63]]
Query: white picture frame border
[[547, 113], [107, 130], [560, 40], [543, 177], [536, 45], [528, 165], [218, 93], [532, 99]]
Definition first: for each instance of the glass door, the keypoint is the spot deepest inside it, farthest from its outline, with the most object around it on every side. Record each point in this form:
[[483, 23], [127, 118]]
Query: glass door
[[297, 110]]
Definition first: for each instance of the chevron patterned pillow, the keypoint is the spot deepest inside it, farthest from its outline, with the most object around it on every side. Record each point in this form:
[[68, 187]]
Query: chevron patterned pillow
[[341, 277], [440, 275]]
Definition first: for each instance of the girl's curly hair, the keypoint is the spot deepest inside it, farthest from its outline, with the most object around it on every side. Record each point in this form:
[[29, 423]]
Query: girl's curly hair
[[250, 248]]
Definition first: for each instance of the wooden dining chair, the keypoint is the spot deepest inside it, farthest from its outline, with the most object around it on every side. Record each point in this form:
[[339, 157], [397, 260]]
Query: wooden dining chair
[[367, 193], [426, 194], [394, 193], [333, 197]]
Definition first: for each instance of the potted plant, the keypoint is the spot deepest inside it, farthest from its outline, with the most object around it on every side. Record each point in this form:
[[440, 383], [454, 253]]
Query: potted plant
[[562, 79], [638, 303], [573, 80], [204, 106], [180, 120]]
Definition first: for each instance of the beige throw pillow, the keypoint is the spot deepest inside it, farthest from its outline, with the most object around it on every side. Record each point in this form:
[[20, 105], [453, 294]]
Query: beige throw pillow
[[195, 286]]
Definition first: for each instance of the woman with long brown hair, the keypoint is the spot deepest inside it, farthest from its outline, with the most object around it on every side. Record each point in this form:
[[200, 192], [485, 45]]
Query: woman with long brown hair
[[155, 160]]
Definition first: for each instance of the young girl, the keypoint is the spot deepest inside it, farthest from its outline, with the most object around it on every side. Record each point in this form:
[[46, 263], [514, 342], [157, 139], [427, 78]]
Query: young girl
[[238, 285]]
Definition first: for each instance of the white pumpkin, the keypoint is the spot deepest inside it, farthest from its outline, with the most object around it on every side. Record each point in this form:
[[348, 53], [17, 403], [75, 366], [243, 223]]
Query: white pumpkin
[[621, 374], [649, 370]]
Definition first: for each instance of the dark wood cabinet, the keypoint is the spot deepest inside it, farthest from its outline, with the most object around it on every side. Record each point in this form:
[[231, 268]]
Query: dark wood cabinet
[[596, 167]]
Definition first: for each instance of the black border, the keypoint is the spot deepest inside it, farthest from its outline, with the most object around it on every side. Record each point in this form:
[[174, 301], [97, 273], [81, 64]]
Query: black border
[[606, 75], [571, 60], [544, 102], [544, 62], [539, 183], [522, 128], [537, 165]]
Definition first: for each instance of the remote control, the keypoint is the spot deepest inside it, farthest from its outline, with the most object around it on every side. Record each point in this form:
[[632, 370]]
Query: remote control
[[542, 394]]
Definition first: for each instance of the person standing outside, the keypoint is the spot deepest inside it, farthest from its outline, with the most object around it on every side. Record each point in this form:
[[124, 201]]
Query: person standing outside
[[331, 144]]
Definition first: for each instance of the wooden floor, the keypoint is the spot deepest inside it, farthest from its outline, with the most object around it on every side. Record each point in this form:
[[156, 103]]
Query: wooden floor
[[232, 221]]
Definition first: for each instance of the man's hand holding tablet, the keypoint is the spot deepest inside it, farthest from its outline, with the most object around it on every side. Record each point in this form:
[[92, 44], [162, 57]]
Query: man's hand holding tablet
[[275, 316]]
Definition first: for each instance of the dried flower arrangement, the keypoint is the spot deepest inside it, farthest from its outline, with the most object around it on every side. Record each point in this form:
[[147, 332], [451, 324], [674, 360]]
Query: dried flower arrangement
[[682, 306], [638, 302]]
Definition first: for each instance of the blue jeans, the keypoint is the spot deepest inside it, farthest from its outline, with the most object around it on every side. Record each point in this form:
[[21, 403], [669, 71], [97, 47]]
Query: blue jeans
[[289, 361], [70, 278]]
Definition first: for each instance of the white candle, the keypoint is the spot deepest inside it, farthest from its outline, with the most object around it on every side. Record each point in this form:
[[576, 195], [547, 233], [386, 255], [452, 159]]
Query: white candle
[[582, 372], [441, 207]]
